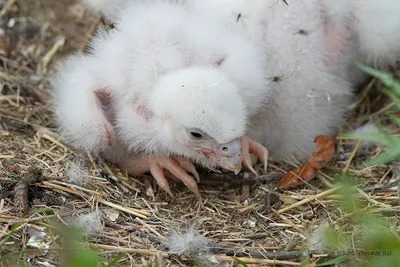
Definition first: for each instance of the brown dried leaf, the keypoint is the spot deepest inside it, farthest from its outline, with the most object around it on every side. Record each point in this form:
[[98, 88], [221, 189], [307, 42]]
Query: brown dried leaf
[[318, 160]]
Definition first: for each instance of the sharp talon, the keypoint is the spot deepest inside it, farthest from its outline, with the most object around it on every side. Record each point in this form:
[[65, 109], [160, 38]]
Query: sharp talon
[[250, 146], [196, 175], [189, 167], [252, 170], [263, 152], [190, 184], [266, 161], [177, 170], [198, 196], [264, 158], [158, 174], [168, 191], [247, 163]]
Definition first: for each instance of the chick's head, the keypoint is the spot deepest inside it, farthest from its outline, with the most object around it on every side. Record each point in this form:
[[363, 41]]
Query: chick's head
[[201, 116]]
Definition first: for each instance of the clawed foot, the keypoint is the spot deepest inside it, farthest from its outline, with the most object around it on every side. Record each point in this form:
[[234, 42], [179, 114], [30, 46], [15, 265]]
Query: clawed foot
[[250, 146], [179, 168], [161, 167]]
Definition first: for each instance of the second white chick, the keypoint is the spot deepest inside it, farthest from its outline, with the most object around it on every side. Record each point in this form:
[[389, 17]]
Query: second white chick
[[166, 88], [309, 95], [110, 9], [311, 47], [373, 30]]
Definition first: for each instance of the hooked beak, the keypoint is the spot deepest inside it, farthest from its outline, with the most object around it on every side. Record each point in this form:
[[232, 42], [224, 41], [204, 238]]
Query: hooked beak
[[227, 156]]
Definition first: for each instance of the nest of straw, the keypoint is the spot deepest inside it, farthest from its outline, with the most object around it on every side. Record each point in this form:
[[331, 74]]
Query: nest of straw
[[44, 182]]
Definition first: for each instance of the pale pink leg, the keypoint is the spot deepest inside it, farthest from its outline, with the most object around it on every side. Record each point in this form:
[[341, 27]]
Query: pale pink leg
[[174, 167], [338, 40], [189, 167], [160, 167], [158, 174], [185, 164], [251, 146]]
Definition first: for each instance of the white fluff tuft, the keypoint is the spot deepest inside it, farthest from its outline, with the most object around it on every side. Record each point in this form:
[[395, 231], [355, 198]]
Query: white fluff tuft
[[316, 241], [187, 243], [369, 128], [90, 222], [76, 174], [376, 27], [190, 243]]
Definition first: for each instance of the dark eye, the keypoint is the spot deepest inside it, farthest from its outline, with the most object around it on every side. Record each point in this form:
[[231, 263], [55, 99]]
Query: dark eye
[[197, 134]]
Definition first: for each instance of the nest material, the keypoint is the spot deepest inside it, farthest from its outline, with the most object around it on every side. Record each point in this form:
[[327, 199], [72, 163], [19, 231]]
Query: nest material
[[243, 216]]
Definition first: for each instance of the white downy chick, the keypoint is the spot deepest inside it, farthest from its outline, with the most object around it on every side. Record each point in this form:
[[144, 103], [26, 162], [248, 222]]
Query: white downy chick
[[309, 97], [376, 27], [372, 27], [168, 82], [110, 9], [311, 47]]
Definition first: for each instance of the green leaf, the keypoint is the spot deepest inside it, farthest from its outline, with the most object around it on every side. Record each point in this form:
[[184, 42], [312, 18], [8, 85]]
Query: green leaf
[[389, 155], [387, 79], [394, 97], [380, 138], [83, 257], [9, 234], [390, 142], [334, 261], [293, 243], [393, 117], [240, 262], [114, 262]]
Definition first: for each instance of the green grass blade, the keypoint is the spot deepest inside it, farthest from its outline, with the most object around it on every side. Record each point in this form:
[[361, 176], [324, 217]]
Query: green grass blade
[[334, 261], [394, 118], [387, 79], [390, 154], [380, 138]]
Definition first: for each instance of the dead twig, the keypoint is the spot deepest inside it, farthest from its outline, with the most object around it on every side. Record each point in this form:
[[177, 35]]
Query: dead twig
[[232, 259], [6, 7], [309, 199], [218, 248], [58, 44], [227, 180], [381, 187]]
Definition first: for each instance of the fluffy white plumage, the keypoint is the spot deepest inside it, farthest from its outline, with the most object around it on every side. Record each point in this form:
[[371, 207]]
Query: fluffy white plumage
[[109, 8], [189, 242], [375, 24], [223, 69], [309, 97], [192, 244], [311, 48], [157, 86]]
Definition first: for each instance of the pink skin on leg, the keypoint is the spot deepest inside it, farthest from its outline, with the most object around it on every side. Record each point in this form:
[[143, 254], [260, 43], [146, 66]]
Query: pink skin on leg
[[162, 166], [250, 146], [158, 166], [337, 39]]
